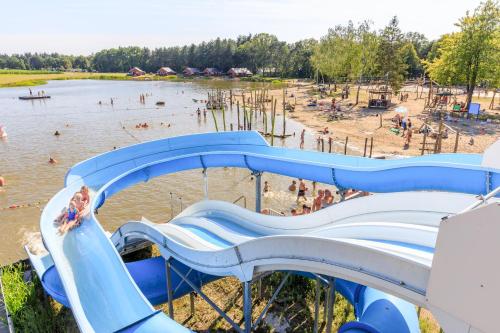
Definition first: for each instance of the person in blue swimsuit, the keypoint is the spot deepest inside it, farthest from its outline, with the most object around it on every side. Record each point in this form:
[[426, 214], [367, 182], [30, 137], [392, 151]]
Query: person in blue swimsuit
[[71, 218]]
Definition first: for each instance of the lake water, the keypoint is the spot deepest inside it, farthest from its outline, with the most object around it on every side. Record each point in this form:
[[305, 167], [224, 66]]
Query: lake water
[[88, 128]]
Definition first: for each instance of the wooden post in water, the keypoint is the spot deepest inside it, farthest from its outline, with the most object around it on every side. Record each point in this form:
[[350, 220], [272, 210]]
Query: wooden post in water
[[273, 121], [366, 144], [215, 118], [245, 119], [456, 142], [345, 146], [223, 116], [284, 115], [238, 111]]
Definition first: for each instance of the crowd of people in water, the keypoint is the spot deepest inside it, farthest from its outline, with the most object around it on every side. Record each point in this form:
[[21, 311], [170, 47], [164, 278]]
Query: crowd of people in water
[[71, 216]]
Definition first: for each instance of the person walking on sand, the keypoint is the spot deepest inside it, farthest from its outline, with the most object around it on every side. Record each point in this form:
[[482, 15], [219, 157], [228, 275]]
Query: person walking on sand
[[267, 187], [205, 113], [31, 92], [408, 138], [302, 189], [2, 181], [302, 136], [198, 112]]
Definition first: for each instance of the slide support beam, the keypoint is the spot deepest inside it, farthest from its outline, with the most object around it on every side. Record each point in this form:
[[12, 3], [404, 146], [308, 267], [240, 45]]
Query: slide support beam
[[331, 304], [271, 300], [169, 289], [207, 299], [316, 305], [205, 183], [258, 192], [247, 305]]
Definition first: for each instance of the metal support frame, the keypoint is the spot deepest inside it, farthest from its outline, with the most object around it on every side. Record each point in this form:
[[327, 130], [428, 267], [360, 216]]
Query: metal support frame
[[271, 300], [482, 200], [258, 192], [205, 183], [208, 300], [488, 182], [316, 305], [331, 304], [169, 289], [247, 306]]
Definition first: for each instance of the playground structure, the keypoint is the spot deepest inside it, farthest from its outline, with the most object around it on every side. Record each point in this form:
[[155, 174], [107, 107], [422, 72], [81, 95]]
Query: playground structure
[[379, 98], [384, 252]]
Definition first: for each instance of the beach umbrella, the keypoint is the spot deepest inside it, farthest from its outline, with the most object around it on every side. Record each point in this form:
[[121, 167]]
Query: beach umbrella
[[401, 109]]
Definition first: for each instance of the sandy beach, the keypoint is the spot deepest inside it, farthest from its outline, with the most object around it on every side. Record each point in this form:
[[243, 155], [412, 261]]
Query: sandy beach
[[359, 122]]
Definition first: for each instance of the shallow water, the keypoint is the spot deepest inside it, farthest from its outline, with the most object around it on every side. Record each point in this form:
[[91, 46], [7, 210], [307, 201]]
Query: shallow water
[[88, 128]]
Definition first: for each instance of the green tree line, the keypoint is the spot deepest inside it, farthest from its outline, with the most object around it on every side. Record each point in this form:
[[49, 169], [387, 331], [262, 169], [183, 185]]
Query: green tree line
[[257, 52]]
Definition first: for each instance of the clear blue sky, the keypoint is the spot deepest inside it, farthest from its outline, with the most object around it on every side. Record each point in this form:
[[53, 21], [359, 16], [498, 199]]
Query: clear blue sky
[[86, 26]]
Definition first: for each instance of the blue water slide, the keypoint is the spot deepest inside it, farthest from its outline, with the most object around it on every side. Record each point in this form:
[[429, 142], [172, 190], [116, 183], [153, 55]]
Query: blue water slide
[[103, 295]]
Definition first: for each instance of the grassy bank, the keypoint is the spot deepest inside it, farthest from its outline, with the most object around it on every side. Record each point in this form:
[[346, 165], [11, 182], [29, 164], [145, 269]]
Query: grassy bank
[[24, 78], [35, 78], [29, 309]]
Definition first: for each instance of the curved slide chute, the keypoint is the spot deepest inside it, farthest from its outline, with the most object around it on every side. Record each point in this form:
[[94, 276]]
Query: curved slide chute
[[102, 293]]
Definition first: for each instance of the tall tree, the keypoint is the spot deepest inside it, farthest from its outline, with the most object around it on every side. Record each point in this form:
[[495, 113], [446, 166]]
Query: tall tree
[[390, 60], [471, 55]]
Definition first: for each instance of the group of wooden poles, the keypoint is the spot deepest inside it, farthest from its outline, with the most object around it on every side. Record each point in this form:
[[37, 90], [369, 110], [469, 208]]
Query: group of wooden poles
[[254, 104]]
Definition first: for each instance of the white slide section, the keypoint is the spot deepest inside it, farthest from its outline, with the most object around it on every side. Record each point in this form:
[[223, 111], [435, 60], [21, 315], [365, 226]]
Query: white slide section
[[385, 241]]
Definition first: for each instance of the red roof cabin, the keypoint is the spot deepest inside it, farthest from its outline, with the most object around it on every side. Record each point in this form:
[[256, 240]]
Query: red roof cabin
[[136, 71], [191, 71], [212, 71], [239, 72], [165, 71]]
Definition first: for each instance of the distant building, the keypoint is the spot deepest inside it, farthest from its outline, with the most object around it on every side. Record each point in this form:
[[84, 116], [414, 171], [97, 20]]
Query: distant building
[[136, 71], [212, 71], [239, 72], [165, 71], [191, 71]]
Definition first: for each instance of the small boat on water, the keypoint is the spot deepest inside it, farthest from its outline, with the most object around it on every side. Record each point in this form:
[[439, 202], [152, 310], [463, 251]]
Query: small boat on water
[[160, 103], [33, 97]]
